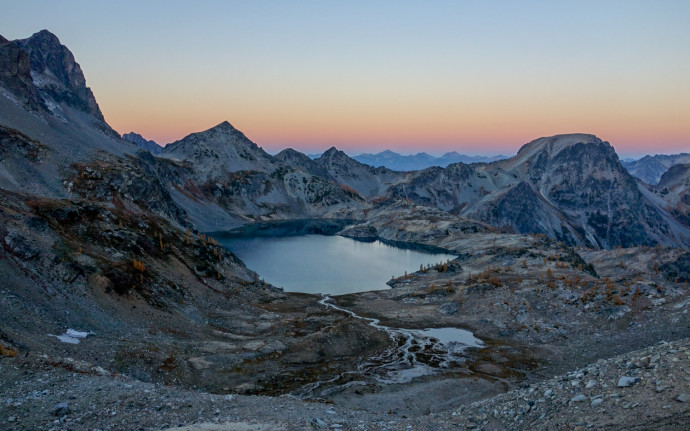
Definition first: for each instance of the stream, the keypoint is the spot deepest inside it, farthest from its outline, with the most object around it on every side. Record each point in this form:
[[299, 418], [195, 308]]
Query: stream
[[417, 352]]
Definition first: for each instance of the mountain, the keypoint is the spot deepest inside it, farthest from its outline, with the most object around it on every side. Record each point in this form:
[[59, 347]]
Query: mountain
[[56, 74], [455, 157], [395, 161], [223, 171], [419, 161], [219, 150], [650, 168], [674, 187], [366, 180], [570, 187], [56, 143], [45, 103], [15, 74], [303, 162], [142, 143]]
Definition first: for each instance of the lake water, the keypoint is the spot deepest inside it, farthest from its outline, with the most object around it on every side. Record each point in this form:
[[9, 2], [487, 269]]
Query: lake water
[[327, 264]]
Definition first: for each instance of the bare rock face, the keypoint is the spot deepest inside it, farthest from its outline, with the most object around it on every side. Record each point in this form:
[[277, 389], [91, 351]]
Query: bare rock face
[[15, 74], [674, 188], [451, 188], [676, 175], [56, 74], [581, 176]]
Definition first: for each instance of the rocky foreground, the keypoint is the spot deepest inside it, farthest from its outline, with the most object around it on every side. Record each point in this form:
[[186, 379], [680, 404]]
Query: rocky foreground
[[643, 389]]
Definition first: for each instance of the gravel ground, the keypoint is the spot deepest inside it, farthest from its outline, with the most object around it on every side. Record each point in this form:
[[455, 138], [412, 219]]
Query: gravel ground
[[644, 389]]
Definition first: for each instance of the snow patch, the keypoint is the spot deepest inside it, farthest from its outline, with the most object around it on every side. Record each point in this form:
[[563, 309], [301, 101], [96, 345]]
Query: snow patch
[[72, 336]]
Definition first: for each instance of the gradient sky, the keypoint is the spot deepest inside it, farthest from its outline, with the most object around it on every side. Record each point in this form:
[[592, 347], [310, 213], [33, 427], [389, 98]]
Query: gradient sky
[[478, 77]]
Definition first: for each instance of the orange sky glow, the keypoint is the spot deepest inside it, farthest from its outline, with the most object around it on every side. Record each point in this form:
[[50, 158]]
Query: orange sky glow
[[478, 77]]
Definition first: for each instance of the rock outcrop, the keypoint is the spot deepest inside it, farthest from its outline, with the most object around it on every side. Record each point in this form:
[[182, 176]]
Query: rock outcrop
[[144, 144], [15, 74], [56, 75]]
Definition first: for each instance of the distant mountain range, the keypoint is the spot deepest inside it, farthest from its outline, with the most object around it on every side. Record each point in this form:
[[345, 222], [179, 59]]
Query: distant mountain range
[[56, 143], [650, 168], [419, 161]]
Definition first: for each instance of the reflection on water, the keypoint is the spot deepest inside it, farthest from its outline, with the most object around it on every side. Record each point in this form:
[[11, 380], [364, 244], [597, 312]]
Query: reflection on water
[[327, 264]]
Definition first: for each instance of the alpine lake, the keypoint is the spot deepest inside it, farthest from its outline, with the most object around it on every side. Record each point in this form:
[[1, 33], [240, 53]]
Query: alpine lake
[[307, 256]]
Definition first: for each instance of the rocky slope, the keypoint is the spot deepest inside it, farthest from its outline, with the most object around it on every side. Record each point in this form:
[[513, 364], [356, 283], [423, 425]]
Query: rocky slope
[[650, 168], [570, 187], [144, 144], [674, 187], [57, 76], [217, 151], [81, 396], [44, 99]]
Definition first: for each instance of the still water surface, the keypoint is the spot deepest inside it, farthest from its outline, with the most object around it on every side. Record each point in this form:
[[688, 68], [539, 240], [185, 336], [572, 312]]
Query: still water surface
[[327, 264]]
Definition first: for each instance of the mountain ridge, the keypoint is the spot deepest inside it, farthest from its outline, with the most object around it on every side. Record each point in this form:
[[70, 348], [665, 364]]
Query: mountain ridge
[[419, 161], [575, 181], [141, 142], [650, 168]]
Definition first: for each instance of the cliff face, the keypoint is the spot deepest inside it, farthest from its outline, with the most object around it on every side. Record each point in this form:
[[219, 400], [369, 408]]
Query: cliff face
[[56, 75], [15, 74]]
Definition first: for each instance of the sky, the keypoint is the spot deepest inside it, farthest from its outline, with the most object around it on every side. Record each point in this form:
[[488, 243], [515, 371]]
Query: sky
[[478, 77]]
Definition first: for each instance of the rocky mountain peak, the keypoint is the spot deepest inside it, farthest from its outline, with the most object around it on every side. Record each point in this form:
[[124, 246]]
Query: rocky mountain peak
[[15, 74], [227, 129], [555, 144], [56, 74], [219, 150], [576, 151], [224, 127], [143, 143], [333, 152]]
